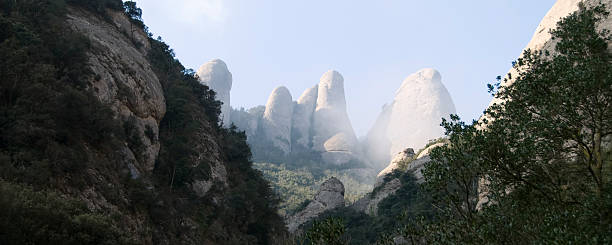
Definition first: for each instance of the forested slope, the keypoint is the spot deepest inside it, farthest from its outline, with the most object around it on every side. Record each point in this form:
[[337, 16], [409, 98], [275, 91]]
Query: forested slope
[[105, 138]]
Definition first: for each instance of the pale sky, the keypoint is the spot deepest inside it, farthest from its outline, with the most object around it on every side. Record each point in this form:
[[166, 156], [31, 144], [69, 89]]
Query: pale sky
[[373, 44]]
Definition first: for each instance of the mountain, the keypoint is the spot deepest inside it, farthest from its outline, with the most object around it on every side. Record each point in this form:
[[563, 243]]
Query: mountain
[[412, 119], [315, 127], [217, 77], [107, 139]]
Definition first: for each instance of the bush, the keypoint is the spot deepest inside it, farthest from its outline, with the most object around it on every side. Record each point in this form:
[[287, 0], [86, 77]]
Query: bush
[[45, 217]]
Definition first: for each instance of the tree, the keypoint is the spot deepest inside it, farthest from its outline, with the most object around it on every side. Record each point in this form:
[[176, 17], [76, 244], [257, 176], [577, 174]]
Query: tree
[[327, 232], [132, 10], [135, 14], [543, 151]]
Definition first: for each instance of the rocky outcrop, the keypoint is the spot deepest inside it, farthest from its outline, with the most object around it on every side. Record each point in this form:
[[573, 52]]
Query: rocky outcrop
[[415, 163], [384, 187], [412, 118], [330, 116], [369, 203], [277, 119], [330, 196], [302, 118], [318, 123], [216, 76], [405, 155], [126, 82]]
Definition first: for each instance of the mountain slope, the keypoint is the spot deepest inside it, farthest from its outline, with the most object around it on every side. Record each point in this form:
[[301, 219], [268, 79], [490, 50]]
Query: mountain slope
[[100, 118]]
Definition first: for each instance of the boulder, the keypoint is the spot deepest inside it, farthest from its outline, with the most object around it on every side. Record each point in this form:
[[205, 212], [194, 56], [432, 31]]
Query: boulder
[[217, 77], [277, 120], [330, 196]]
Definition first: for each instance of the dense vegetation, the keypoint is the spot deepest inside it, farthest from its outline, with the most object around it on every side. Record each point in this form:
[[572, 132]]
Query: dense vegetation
[[49, 127], [542, 155], [395, 212], [45, 217], [54, 133], [192, 112], [297, 186]]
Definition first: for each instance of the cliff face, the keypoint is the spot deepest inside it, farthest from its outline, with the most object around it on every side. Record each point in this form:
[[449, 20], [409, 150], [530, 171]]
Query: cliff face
[[124, 80], [412, 119], [316, 124], [277, 119], [144, 151], [217, 77]]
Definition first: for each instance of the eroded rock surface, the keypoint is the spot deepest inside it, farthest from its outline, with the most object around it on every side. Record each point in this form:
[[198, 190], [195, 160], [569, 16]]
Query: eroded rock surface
[[302, 118], [217, 77], [414, 116], [277, 119], [330, 196]]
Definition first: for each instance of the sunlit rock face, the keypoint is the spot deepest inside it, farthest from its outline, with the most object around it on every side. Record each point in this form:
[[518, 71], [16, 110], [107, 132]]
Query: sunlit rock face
[[330, 116], [316, 124], [216, 76], [302, 118], [277, 119], [413, 118]]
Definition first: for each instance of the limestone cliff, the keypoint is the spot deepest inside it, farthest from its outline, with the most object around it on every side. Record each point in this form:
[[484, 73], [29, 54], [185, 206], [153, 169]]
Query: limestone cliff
[[215, 75], [412, 119], [277, 119], [126, 81], [114, 127], [302, 118], [317, 124]]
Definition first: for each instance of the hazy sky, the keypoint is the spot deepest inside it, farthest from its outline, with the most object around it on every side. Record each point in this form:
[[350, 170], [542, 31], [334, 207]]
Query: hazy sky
[[374, 44]]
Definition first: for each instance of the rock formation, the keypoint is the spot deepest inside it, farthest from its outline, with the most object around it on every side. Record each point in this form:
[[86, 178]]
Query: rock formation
[[317, 123], [413, 118], [385, 188], [330, 196], [330, 116], [302, 118], [126, 81], [415, 162], [277, 119], [407, 154], [217, 77]]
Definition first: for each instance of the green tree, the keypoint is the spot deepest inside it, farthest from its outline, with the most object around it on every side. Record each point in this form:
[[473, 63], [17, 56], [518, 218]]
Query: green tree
[[327, 232], [542, 151]]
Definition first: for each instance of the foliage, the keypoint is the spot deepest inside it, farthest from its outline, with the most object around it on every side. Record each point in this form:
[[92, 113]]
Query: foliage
[[327, 232], [296, 186], [395, 212], [45, 217], [193, 113], [539, 156], [56, 135], [48, 121]]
